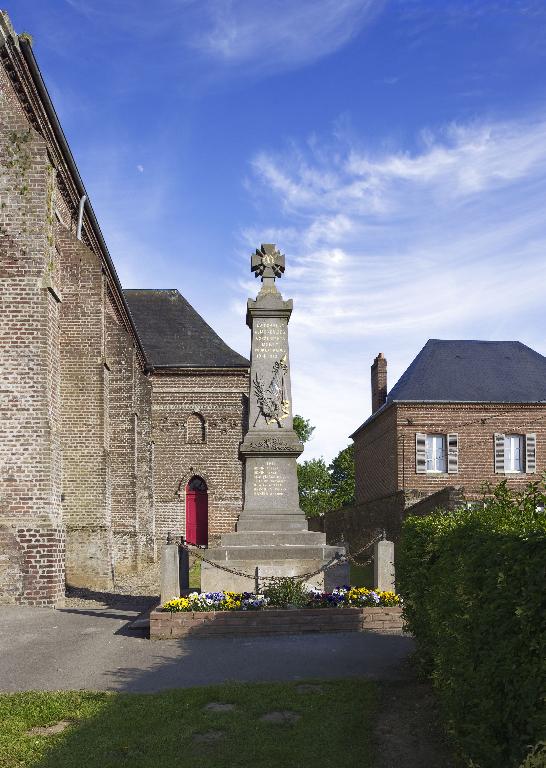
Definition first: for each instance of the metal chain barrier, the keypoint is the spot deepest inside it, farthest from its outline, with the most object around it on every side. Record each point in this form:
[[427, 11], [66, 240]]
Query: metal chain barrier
[[336, 560]]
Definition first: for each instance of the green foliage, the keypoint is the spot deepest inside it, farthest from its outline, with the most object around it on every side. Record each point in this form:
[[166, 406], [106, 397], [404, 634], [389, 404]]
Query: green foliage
[[536, 757], [284, 592], [324, 488], [342, 473], [303, 428], [27, 37], [472, 581], [315, 489], [321, 487]]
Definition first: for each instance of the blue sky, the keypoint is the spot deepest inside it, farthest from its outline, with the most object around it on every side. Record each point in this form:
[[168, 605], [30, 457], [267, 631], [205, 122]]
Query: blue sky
[[395, 151]]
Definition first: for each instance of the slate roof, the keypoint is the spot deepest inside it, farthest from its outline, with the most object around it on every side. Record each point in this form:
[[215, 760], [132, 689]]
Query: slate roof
[[470, 372], [473, 371], [174, 335]]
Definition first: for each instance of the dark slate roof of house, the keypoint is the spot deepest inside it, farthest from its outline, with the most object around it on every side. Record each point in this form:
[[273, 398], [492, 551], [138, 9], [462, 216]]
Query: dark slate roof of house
[[174, 335], [470, 372], [473, 371]]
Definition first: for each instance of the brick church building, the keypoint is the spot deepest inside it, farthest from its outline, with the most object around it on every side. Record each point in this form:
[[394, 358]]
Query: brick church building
[[121, 411]]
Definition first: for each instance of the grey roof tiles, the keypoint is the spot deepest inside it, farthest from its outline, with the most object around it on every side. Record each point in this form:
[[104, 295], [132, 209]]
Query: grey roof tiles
[[473, 371], [174, 335]]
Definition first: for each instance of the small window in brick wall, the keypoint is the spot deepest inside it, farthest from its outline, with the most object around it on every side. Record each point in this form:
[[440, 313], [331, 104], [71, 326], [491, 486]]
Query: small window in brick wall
[[515, 453], [195, 429], [436, 453]]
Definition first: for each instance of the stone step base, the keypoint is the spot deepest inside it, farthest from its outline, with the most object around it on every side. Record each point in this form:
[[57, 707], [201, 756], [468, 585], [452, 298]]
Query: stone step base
[[271, 523], [272, 562], [280, 552], [273, 538]]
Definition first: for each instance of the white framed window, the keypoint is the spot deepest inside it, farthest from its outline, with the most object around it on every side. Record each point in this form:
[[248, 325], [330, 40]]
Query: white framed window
[[435, 450], [514, 453], [436, 453]]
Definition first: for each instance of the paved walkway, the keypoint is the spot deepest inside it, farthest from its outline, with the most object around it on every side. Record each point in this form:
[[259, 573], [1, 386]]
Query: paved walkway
[[93, 649]]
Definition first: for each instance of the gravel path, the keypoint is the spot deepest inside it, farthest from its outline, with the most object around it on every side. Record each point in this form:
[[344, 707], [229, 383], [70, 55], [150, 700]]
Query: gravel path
[[409, 732], [133, 591]]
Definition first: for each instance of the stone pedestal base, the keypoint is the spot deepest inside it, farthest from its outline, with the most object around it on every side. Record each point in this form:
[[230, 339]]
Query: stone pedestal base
[[274, 561]]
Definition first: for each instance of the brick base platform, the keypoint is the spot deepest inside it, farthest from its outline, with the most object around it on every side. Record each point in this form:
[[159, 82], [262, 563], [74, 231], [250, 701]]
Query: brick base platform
[[165, 625]]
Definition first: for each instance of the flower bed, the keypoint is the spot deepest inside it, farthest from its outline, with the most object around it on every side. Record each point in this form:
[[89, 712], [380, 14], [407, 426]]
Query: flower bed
[[350, 609], [355, 597], [217, 601], [166, 625], [345, 597]]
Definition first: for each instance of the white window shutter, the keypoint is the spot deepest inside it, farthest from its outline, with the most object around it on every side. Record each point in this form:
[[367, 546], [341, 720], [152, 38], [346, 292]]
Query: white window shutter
[[531, 453], [420, 453], [499, 453], [453, 453]]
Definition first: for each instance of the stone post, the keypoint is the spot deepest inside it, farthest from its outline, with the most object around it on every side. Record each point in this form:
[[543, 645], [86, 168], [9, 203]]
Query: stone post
[[170, 573], [383, 566]]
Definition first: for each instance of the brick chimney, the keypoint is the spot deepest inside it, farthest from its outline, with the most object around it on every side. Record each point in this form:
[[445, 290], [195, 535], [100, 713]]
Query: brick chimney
[[379, 382]]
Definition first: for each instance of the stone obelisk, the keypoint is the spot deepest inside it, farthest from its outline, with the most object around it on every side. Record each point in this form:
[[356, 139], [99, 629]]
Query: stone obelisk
[[272, 534]]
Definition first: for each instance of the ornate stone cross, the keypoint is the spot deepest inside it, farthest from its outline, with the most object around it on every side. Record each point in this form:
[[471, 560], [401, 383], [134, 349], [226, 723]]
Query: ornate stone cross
[[267, 263]]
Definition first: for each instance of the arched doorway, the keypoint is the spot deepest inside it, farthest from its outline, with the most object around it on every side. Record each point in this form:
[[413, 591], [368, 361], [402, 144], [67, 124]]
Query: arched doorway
[[197, 512]]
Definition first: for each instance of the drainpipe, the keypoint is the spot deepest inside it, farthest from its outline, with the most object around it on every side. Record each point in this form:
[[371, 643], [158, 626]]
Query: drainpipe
[[80, 217]]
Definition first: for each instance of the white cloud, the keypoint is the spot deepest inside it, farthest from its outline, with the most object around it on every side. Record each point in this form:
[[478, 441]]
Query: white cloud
[[254, 37], [279, 34], [387, 250]]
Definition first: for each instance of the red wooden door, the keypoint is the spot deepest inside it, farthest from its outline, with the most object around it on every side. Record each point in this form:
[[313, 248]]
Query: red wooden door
[[197, 516]]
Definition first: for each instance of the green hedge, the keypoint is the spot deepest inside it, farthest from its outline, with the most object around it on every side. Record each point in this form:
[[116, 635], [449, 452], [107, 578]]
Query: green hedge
[[473, 584]]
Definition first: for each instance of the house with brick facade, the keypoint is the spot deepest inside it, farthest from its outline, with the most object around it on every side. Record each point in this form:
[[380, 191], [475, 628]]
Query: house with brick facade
[[464, 414], [121, 412]]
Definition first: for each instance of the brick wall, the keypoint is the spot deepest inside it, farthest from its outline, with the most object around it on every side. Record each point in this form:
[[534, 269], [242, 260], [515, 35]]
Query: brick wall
[[446, 498], [475, 425], [129, 448], [376, 458], [31, 529], [220, 398], [106, 428], [359, 524], [385, 449], [383, 620], [85, 392]]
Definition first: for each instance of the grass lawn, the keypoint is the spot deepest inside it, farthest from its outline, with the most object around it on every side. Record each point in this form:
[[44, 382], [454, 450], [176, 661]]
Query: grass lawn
[[195, 575], [174, 728]]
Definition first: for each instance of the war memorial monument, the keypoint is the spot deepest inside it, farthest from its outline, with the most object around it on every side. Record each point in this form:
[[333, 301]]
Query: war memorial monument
[[272, 535]]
